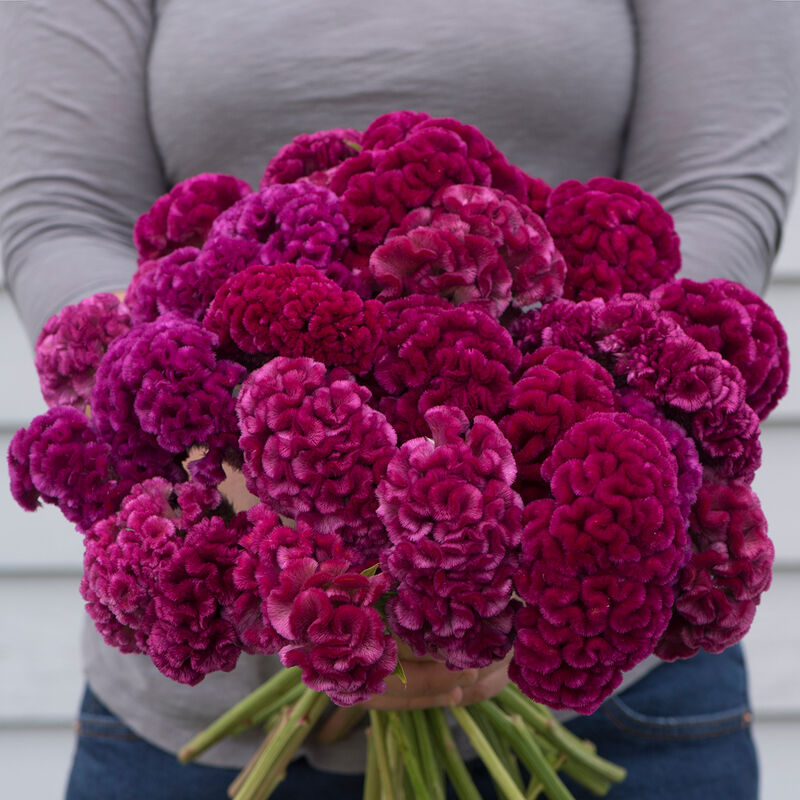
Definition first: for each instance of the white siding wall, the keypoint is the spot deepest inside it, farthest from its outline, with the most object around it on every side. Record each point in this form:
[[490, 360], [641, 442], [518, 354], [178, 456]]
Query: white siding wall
[[41, 611]]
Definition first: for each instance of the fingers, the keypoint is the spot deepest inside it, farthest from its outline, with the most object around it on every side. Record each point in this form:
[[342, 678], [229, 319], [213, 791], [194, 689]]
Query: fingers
[[387, 702], [429, 678]]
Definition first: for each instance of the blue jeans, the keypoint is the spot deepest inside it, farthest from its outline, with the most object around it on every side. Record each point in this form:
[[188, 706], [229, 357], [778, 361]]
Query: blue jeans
[[681, 732]]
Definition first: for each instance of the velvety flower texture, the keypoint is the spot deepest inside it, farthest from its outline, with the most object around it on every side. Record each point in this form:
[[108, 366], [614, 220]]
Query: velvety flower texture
[[454, 523], [314, 447], [324, 609], [460, 357], [183, 216], [697, 386], [71, 345], [599, 562], [58, 459], [723, 582], [293, 310], [729, 319], [614, 236], [299, 222], [157, 575], [310, 154], [162, 385], [561, 323], [557, 389]]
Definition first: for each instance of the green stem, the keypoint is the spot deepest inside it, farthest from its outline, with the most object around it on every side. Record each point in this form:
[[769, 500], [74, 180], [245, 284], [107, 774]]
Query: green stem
[[381, 756], [245, 710], [372, 784], [484, 750], [262, 718], [512, 700], [516, 732], [499, 744], [403, 731], [446, 749], [431, 770]]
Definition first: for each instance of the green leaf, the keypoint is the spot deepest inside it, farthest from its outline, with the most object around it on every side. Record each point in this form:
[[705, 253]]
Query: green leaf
[[370, 571], [400, 672]]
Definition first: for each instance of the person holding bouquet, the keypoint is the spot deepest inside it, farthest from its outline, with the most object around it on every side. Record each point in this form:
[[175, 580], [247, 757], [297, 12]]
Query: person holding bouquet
[[106, 105]]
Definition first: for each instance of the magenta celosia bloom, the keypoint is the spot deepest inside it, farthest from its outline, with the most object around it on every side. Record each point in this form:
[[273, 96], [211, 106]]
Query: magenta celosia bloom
[[71, 345], [162, 385], [453, 521], [58, 459], [557, 389], [313, 447], [294, 310], [614, 236], [335, 635], [729, 319], [298, 222], [311, 153], [599, 561], [560, 323], [460, 357], [158, 574], [183, 216], [723, 582]]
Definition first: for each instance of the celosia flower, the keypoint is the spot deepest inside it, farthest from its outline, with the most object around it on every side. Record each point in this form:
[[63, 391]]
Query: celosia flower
[[723, 582], [729, 319], [293, 310], [453, 521], [313, 446], [161, 385], [614, 236], [298, 222], [309, 154], [599, 561], [557, 389], [59, 460], [71, 345], [183, 216], [561, 323]]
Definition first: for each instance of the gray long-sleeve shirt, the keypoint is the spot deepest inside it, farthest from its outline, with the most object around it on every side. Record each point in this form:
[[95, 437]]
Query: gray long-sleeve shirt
[[104, 104]]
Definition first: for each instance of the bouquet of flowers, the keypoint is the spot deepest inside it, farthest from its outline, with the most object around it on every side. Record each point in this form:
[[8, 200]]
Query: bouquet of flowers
[[478, 415]]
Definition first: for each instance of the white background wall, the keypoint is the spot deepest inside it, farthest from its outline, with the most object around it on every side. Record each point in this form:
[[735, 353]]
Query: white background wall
[[41, 610]]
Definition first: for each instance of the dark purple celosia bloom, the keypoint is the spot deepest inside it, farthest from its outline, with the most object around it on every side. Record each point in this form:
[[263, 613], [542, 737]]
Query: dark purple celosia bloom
[[560, 323], [337, 638], [161, 385], [298, 222], [183, 216], [294, 310], [729, 319], [599, 561], [460, 357], [314, 447], [557, 389], [723, 582], [453, 521], [58, 459], [311, 153], [690, 473], [158, 575], [71, 345], [614, 236], [676, 372]]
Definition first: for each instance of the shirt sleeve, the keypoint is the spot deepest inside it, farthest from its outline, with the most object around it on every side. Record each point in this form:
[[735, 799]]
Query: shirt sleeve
[[714, 130], [77, 158]]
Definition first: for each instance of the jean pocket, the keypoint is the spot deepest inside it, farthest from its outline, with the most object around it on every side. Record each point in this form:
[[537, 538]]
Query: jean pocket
[[684, 727], [95, 721]]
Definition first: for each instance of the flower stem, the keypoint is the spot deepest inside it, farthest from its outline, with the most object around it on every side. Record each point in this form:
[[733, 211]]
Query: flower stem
[[245, 710], [372, 786], [431, 770], [512, 700], [339, 724], [499, 744], [381, 757], [446, 749], [487, 754], [404, 733]]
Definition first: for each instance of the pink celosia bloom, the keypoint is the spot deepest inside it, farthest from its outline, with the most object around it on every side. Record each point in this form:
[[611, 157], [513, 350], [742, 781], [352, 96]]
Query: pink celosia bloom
[[313, 446], [71, 345], [599, 561], [184, 216], [298, 222], [557, 389], [614, 236], [453, 521], [729, 319], [294, 310], [723, 582], [561, 323], [311, 153]]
